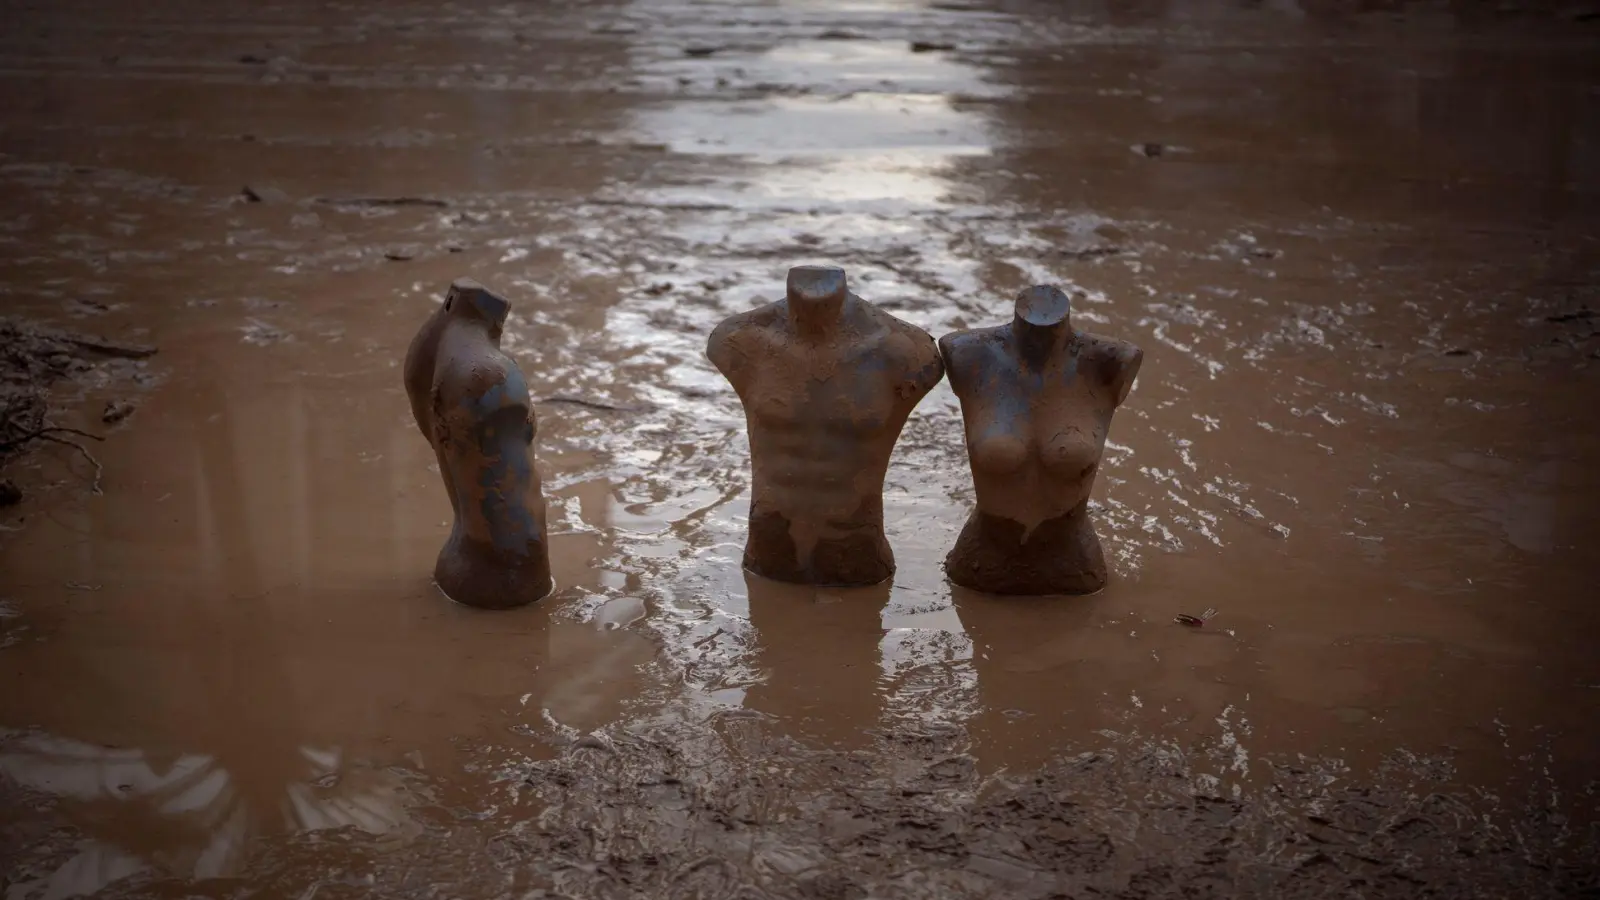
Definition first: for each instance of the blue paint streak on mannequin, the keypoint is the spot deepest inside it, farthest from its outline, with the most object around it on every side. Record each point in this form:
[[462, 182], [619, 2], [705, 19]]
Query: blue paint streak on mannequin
[[511, 524], [512, 391], [510, 467]]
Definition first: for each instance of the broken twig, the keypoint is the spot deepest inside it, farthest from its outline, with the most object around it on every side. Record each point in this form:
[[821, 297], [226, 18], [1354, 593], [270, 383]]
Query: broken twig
[[592, 404], [94, 487], [45, 433], [48, 433], [383, 201], [107, 348]]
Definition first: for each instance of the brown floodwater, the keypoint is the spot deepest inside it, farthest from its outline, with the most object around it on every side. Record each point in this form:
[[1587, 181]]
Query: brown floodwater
[[1358, 243]]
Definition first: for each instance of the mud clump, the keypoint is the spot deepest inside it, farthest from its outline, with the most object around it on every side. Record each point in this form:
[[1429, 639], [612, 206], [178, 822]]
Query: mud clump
[[117, 410]]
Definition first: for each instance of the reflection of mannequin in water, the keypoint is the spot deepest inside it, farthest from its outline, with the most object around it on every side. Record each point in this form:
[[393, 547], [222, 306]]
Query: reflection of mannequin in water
[[187, 738], [1027, 653], [819, 651], [1036, 398], [263, 697]]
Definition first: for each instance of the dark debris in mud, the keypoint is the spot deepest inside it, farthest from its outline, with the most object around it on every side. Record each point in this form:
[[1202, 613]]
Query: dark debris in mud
[[117, 410], [590, 404], [1582, 315], [31, 360], [383, 202]]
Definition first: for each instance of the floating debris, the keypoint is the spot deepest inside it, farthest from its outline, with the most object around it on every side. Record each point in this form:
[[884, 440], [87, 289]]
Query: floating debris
[[117, 410]]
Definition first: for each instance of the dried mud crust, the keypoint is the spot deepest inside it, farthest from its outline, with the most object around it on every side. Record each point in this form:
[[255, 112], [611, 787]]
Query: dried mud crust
[[729, 811]]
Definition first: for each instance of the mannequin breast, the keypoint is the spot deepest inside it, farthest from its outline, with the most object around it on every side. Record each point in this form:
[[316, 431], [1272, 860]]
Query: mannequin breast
[[1007, 450], [1034, 454]]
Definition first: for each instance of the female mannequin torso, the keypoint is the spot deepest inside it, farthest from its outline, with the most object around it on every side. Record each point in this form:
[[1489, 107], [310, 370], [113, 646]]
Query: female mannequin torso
[[1037, 399]]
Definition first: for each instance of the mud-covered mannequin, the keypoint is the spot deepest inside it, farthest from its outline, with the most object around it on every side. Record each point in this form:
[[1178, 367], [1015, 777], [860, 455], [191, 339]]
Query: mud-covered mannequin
[[1037, 399], [472, 404], [827, 381]]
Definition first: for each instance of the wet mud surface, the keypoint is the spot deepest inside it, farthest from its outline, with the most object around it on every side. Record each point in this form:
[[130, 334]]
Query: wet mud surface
[[1357, 244]]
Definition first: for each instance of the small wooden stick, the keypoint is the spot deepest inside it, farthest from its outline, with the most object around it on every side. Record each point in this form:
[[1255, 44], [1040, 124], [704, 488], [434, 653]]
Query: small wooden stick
[[94, 488]]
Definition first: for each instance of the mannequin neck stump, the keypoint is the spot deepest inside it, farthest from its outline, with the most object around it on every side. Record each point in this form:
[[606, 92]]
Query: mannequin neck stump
[[1042, 324], [816, 296], [471, 301]]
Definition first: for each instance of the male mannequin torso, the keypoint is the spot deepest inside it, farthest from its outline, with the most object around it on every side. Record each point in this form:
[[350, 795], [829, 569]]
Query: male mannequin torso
[[827, 381]]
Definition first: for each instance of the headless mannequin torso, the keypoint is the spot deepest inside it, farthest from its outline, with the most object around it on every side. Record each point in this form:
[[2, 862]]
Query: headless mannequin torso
[[1037, 399], [472, 404], [827, 381]]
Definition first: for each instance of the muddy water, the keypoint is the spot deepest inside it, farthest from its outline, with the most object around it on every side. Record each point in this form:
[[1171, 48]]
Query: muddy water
[[1358, 250]]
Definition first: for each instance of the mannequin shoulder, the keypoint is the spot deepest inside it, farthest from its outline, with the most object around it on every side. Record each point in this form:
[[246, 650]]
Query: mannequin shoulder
[[967, 347], [750, 325], [911, 350], [968, 354], [1110, 353], [744, 335], [909, 342], [1116, 361], [482, 384]]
